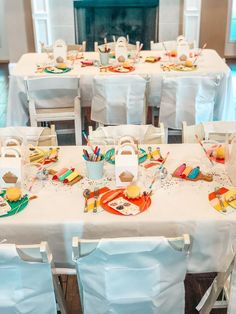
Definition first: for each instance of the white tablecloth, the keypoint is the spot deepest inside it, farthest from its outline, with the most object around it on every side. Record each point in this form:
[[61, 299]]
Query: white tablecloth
[[209, 64], [177, 207]]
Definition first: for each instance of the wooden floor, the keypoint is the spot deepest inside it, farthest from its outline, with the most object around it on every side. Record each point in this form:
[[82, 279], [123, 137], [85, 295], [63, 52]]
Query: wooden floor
[[195, 285]]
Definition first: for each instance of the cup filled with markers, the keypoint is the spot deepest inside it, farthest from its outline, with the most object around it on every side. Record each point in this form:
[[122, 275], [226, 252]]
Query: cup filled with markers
[[94, 161]]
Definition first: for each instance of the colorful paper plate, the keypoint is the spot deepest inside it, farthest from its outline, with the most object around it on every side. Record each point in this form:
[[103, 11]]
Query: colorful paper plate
[[228, 194], [211, 150], [16, 207], [50, 70], [121, 69], [142, 202], [217, 204], [111, 152]]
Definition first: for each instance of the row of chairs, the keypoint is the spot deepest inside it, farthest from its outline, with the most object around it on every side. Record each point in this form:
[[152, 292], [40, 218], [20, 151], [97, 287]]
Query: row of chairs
[[120, 275], [117, 101], [110, 135], [165, 45]]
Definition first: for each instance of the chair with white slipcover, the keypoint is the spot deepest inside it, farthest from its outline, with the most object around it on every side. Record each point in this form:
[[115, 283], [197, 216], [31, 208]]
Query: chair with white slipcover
[[188, 98], [131, 275], [224, 282], [143, 134], [27, 284], [37, 136], [55, 99], [213, 130], [119, 99], [165, 45]]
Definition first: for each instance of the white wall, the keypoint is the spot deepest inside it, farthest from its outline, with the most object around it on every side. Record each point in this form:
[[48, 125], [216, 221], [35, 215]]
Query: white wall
[[4, 54], [170, 19], [230, 46], [19, 28], [61, 15]]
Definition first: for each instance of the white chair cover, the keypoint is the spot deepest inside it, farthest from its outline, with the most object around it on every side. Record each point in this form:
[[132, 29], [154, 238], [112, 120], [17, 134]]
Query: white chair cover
[[133, 276], [30, 134], [146, 134], [189, 99], [25, 287], [51, 92], [168, 45], [118, 99], [219, 127], [232, 296]]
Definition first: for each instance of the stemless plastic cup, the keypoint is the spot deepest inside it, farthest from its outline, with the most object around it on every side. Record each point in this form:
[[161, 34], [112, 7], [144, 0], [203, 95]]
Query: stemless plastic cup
[[94, 169], [104, 58]]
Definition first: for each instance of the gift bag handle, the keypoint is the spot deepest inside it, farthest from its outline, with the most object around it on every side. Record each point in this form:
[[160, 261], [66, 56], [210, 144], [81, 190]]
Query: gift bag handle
[[127, 147], [11, 151], [126, 140], [12, 140]]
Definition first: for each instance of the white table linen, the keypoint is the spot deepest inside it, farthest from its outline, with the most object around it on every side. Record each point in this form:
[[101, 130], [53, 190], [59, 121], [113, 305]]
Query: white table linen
[[209, 64], [178, 207]]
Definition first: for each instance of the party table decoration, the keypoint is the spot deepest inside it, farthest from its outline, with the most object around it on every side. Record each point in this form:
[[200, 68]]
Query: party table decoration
[[178, 67], [9, 208], [218, 201], [121, 50], [44, 157], [110, 156], [57, 69], [217, 153], [66, 176], [10, 167], [187, 172], [115, 202], [90, 199], [230, 197], [126, 164], [152, 59], [121, 69]]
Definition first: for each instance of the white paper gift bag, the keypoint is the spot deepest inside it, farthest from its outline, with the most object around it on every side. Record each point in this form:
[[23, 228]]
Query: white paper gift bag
[[60, 50], [182, 48], [121, 49], [126, 164], [10, 167], [230, 158]]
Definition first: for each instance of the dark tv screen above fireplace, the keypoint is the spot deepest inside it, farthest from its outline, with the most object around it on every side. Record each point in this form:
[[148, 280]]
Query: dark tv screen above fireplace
[[99, 19]]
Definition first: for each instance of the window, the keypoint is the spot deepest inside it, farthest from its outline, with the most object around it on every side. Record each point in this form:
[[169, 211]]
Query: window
[[232, 35]]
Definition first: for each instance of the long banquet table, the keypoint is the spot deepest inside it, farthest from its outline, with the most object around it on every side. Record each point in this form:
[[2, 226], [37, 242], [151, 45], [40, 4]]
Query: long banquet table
[[177, 207], [209, 64]]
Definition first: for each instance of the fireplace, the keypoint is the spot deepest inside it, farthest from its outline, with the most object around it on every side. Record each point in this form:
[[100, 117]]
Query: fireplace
[[99, 19]]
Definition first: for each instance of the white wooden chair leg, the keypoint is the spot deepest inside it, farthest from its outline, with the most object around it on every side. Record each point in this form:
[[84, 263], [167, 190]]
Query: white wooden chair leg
[[78, 127], [59, 295], [209, 299]]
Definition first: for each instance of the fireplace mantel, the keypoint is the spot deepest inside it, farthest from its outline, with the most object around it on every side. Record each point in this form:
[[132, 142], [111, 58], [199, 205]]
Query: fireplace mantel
[[115, 3], [99, 19]]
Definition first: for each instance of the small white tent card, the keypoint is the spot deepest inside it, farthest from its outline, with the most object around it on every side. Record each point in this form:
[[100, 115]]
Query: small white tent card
[[182, 48], [60, 50], [121, 49], [126, 164], [10, 167]]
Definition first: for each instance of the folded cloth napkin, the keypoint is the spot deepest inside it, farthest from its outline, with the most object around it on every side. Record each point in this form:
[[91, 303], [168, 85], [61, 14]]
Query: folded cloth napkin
[[91, 199], [30, 135]]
